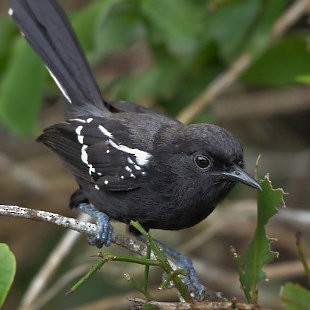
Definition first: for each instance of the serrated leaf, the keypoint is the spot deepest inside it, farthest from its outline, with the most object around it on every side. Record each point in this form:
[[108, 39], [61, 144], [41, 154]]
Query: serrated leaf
[[7, 271], [295, 297], [22, 89], [259, 253]]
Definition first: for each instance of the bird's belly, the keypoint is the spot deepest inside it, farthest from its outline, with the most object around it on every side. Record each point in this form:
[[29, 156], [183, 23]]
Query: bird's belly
[[161, 213]]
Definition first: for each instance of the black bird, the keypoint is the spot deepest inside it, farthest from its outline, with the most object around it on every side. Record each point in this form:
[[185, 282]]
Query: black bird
[[130, 162]]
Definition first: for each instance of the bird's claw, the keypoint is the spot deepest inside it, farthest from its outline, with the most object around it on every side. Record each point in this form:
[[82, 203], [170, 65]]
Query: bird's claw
[[105, 228], [104, 235], [197, 290]]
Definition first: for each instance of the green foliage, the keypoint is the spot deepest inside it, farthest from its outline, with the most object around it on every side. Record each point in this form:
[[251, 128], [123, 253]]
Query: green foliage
[[251, 263], [160, 260], [281, 64], [21, 89], [302, 257], [175, 23], [7, 271], [305, 79], [190, 42], [86, 22], [295, 297]]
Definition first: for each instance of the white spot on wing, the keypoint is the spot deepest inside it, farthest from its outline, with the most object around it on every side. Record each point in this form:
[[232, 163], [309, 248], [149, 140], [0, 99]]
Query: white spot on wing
[[142, 157], [77, 120], [97, 187], [84, 156], [89, 120], [105, 131], [128, 169], [10, 12], [79, 136], [64, 92], [106, 182]]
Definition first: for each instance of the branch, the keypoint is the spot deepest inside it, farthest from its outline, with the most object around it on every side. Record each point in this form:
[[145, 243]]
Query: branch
[[239, 66], [71, 223], [138, 303]]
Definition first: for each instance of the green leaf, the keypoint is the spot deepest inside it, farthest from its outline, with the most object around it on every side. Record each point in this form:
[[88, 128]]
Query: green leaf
[[305, 79], [22, 89], [228, 25], [176, 23], [7, 271], [8, 32], [259, 253], [281, 64], [87, 21], [262, 24], [118, 29], [295, 297]]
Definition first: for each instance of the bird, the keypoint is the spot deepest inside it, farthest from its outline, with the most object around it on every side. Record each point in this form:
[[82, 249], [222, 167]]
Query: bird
[[131, 163]]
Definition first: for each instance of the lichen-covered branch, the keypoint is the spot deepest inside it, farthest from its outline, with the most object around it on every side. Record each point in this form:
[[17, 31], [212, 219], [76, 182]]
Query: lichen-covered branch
[[71, 223]]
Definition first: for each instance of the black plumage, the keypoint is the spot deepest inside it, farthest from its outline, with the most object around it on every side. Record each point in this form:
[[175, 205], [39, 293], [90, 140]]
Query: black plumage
[[131, 163]]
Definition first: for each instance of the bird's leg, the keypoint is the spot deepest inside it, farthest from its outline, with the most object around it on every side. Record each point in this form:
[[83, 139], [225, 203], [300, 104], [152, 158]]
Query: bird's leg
[[191, 279], [105, 229], [183, 262]]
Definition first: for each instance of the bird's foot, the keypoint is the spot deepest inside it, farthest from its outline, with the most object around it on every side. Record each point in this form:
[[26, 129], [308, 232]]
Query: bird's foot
[[105, 229], [197, 290], [191, 279]]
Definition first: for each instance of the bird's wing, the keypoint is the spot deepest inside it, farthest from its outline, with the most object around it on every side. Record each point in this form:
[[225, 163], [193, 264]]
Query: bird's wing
[[46, 27], [94, 154]]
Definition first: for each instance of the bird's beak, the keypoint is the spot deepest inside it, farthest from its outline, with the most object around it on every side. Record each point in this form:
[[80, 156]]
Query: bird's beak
[[236, 174]]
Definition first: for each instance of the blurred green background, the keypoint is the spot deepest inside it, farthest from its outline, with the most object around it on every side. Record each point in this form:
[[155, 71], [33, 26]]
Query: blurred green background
[[163, 54]]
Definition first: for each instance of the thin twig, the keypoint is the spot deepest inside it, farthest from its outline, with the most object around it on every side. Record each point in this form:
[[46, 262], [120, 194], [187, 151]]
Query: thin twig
[[138, 303], [226, 79]]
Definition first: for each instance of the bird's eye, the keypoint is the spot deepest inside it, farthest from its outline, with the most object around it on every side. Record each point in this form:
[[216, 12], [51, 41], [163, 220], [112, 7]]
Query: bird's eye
[[202, 161]]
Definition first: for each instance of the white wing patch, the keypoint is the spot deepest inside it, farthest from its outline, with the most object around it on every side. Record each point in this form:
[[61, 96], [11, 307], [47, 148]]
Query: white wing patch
[[142, 157], [79, 136], [135, 159], [105, 131]]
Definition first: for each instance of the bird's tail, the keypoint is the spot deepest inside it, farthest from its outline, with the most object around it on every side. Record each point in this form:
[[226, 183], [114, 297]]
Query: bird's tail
[[46, 27]]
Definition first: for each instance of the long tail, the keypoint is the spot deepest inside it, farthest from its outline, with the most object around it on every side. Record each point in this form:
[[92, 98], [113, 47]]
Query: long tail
[[46, 27]]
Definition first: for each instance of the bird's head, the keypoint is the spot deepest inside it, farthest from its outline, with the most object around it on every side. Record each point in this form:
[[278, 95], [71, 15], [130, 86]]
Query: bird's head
[[207, 157]]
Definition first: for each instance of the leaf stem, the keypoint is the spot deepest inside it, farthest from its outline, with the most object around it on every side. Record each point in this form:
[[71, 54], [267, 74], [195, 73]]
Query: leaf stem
[[95, 268], [164, 262], [302, 256], [237, 261], [147, 268]]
